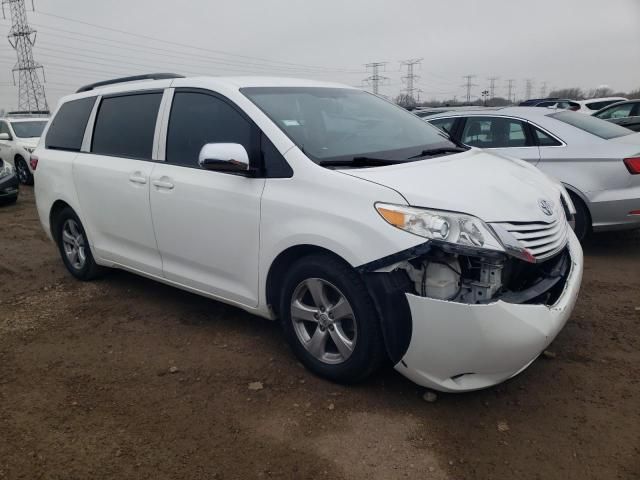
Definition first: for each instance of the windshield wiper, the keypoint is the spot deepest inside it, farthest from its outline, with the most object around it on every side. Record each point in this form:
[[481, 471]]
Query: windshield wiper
[[359, 162], [432, 152]]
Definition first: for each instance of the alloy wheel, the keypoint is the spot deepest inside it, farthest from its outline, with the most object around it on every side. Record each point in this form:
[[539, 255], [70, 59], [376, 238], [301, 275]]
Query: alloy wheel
[[324, 321], [74, 244]]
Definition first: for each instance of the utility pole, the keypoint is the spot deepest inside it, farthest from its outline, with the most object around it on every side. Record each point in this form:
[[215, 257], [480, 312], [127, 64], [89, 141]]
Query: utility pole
[[410, 79], [31, 94], [528, 88], [492, 86], [543, 90], [468, 86], [510, 89], [375, 78]]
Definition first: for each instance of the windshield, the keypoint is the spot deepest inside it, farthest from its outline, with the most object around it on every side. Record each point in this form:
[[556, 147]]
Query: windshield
[[592, 125], [333, 124], [28, 129]]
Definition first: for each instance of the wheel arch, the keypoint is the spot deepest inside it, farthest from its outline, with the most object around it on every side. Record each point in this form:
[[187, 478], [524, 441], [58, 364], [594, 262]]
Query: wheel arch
[[283, 260], [57, 207]]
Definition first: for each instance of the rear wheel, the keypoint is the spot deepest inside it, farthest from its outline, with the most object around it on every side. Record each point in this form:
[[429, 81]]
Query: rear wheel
[[582, 218], [329, 319], [74, 246], [24, 174]]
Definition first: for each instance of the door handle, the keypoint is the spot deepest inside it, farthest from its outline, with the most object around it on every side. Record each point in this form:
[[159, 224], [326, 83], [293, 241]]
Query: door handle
[[164, 183], [138, 178]]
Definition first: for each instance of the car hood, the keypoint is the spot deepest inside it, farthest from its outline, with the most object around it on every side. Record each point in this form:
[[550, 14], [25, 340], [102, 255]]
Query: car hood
[[491, 187], [28, 142]]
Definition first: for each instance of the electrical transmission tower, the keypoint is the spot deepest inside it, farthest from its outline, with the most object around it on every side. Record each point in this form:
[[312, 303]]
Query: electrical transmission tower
[[468, 86], [543, 90], [31, 95], [528, 88], [492, 86], [510, 83], [375, 78], [411, 90]]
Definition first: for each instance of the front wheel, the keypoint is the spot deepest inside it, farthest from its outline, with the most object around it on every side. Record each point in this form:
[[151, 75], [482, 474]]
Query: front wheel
[[329, 319], [582, 227], [24, 174]]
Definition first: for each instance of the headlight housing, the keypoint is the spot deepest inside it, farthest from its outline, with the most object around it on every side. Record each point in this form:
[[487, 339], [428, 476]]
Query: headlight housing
[[6, 169], [450, 227]]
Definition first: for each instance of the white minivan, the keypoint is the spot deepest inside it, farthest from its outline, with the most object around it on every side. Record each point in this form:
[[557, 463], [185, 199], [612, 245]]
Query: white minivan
[[368, 233]]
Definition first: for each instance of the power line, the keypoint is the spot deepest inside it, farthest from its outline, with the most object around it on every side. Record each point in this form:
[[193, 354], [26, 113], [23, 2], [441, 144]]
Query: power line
[[468, 86], [375, 78], [31, 94], [168, 42]]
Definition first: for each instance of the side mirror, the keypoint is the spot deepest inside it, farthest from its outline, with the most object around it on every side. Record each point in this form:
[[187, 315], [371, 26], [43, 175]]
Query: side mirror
[[5, 136], [224, 157]]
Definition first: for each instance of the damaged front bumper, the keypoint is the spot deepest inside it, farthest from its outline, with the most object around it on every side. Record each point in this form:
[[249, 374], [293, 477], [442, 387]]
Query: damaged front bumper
[[455, 346]]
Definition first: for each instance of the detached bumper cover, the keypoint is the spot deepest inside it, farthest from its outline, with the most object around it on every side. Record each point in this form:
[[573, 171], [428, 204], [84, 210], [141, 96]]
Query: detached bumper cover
[[457, 347]]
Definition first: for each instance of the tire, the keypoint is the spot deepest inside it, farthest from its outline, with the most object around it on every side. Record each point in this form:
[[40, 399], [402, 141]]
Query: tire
[[330, 279], [22, 169], [582, 218], [70, 236], [9, 201]]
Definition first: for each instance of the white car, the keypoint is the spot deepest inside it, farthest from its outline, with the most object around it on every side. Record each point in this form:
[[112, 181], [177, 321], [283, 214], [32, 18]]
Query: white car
[[369, 234], [592, 105], [598, 162], [19, 137]]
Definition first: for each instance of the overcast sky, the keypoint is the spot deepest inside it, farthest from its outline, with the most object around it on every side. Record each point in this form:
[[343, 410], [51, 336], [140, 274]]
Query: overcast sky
[[565, 43]]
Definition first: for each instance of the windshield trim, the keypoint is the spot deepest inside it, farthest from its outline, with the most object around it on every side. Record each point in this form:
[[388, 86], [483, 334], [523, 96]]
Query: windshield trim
[[392, 154]]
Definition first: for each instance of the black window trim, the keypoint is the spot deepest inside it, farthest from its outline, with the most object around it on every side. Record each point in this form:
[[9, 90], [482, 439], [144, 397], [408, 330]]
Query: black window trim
[[256, 134], [97, 113]]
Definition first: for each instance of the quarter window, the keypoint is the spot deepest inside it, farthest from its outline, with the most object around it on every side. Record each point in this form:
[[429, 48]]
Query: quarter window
[[621, 111], [545, 140], [67, 128], [125, 125], [197, 119], [494, 132], [445, 124]]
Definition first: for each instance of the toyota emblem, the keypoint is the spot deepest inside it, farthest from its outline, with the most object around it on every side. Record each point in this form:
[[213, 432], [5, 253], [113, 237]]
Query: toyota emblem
[[546, 206]]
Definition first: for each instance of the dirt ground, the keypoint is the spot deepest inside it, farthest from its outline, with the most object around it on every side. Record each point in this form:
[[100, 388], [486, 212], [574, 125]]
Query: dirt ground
[[86, 389]]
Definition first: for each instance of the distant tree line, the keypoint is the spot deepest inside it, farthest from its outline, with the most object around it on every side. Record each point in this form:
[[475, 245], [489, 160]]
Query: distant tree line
[[574, 93]]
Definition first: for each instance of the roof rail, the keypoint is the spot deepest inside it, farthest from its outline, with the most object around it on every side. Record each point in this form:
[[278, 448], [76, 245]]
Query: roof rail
[[148, 76]]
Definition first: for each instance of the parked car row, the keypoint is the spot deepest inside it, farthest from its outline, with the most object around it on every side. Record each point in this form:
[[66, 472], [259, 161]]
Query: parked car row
[[598, 162]]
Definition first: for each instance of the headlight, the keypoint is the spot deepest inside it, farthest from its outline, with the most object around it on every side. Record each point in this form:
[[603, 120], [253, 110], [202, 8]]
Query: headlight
[[6, 169], [450, 227]]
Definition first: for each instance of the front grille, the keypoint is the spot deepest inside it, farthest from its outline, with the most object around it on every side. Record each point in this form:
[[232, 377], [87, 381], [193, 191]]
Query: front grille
[[542, 239]]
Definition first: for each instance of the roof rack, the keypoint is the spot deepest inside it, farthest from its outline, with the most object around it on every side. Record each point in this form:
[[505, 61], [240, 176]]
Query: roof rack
[[27, 113], [148, 76]]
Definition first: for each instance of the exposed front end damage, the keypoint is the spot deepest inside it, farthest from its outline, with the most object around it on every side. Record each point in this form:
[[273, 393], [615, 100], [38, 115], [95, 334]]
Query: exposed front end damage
[[457, 319]]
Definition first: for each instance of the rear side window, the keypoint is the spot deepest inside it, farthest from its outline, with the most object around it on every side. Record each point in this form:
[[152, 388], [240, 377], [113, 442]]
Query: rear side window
[[545, 140], [494, 132], [445, 124], [67, 128], [197, 119], [602, 104], [125, 125], [595, 126]]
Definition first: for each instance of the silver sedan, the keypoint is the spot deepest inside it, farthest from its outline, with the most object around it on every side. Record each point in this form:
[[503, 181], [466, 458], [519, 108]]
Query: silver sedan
[[597, 161]]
